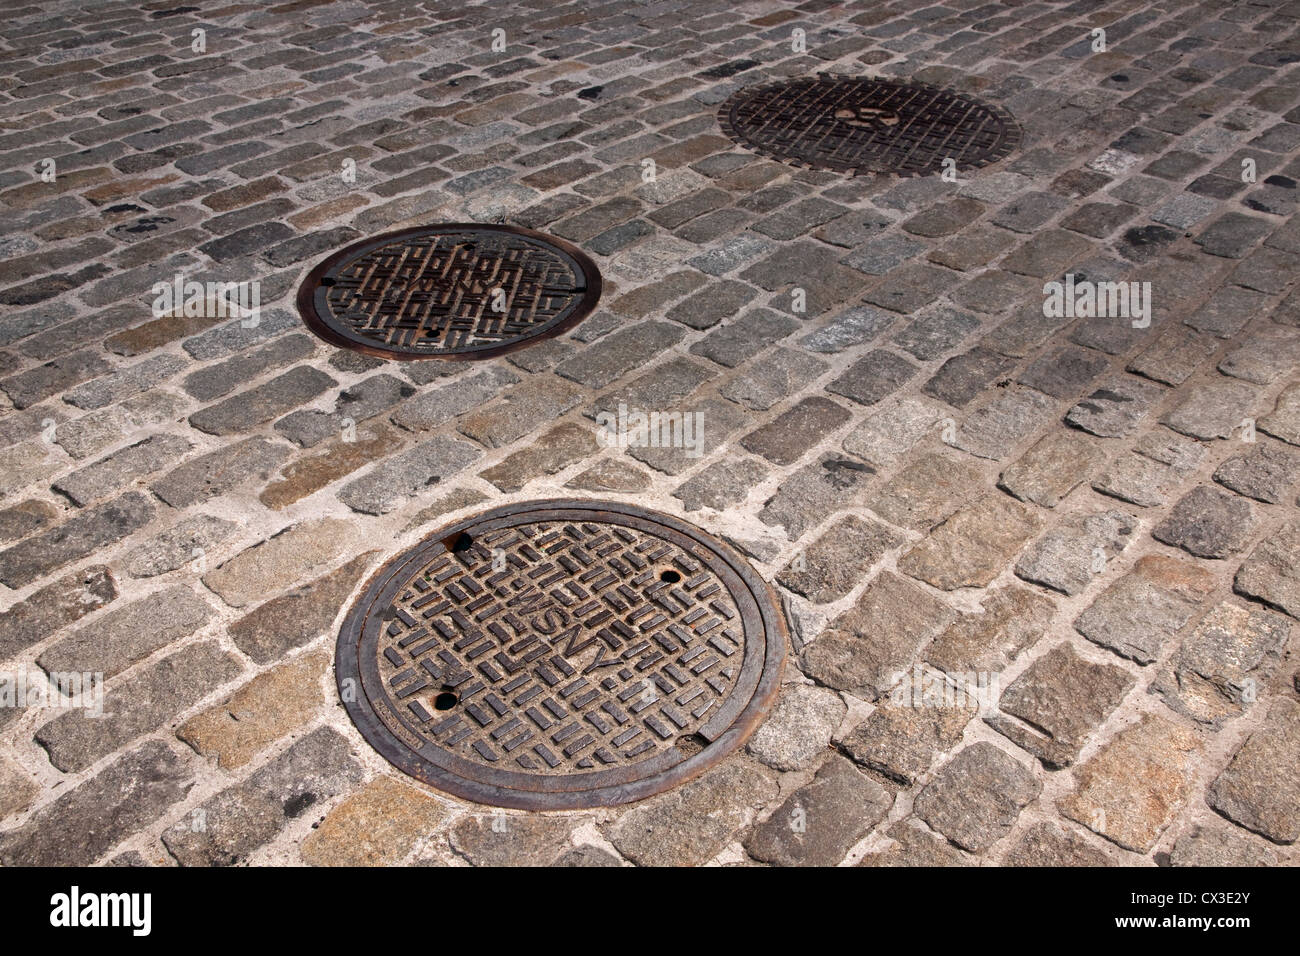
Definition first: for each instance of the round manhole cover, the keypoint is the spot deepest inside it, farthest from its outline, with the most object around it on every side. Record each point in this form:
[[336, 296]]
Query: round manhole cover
[[868, 125], [561, 654], [456, 291]]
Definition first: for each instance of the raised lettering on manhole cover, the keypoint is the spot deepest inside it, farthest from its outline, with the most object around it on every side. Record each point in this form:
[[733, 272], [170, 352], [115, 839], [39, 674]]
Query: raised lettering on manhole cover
[[455, 291], [561, 654], [868, 125]]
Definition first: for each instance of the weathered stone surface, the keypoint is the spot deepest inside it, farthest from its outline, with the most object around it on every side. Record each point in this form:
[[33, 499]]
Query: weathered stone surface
[[500, 839], [720, 485], [244, 816], [873, 377], [138, 705], [1053, 707], [129, 633], [866, 649], [17, 790], [1225, 662], [271, 566], [388, 484], [986, 641], [964, 376], [994, 429], [220, 471], [188, 540], [1065, 372], [587, 855], [376, 826], [892, 429], [913, 846], [259, 405], [1052, 467], [901, 738], [1271, 573], [784, 439], [1267, 355], [1208, 523], [86, 822], [25, 517], [1116, 408], [1141, 611], [1220, 846], [822, 820], [308, 427], [832, 483], [125, 382], [1258, 790], [440, 405], [781, 373], [611, 474], [1069, 556], [281, 624], [1047, 844], [853, 326], [741, 339], [976, 798], [1266, 472], [54, 606], [927, 490], [1174, 356], [112, 474], [799, 728], [1212, 411], [1158, 463], [81, 535], [690, 825], [974, 545], [306, 475], [600, 363], [552, 452], [270, 706], [712, 422], [1136, 785], [833, 565], [522, 409], [1284, 420]]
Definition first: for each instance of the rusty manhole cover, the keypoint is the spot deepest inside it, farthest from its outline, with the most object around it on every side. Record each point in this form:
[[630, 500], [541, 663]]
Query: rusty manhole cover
[[561, 654], [868, 125], [455, 291]]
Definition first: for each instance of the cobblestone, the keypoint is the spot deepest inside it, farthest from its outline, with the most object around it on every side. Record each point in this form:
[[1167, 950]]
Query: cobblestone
[[1053, 708], [1208, 523], [1257, 789], [865, 649], [975, 799]]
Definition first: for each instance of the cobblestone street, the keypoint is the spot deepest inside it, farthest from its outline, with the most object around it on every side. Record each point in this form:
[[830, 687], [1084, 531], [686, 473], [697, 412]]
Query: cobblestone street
[[1040, 571]]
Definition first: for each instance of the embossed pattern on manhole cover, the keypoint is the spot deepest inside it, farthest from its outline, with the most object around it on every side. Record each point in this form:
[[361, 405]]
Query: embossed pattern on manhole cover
[[868, 125], [561, 654], [454, 291]]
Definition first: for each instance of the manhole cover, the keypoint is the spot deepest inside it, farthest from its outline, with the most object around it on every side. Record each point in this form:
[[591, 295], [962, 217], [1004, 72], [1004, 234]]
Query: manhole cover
[[561, 654], [868, 125], [456, 291]]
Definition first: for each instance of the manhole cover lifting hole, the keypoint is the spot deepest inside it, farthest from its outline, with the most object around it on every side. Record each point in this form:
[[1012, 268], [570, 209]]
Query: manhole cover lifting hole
[[452, 291], [561, 654], [868, 125]]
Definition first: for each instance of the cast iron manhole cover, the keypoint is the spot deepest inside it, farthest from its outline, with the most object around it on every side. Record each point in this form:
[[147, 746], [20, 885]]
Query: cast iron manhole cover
[[456, 291], [868, 125], [561, 654]]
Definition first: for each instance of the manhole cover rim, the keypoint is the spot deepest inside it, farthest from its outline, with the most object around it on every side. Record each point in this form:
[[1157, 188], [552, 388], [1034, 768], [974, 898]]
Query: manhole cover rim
[[581, 307], [560, 792], [1012, 139]]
